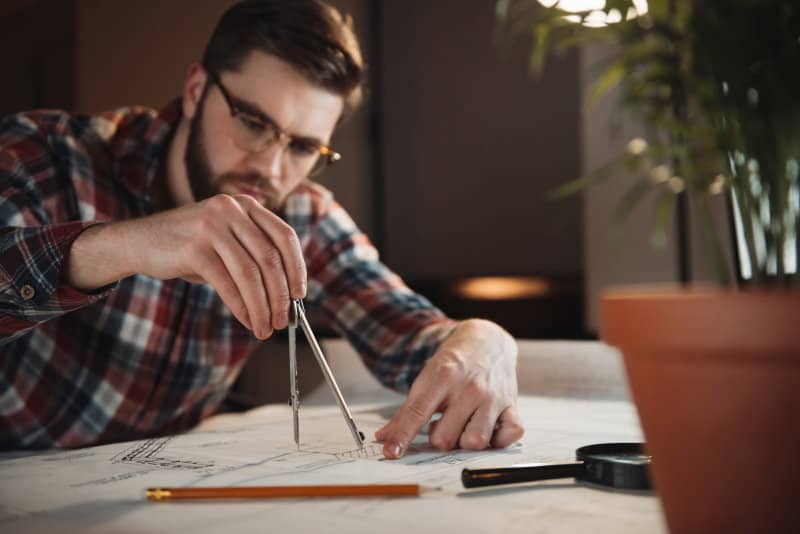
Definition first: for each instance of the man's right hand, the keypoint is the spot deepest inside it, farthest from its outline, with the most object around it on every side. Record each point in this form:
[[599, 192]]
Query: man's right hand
[[250, 256]]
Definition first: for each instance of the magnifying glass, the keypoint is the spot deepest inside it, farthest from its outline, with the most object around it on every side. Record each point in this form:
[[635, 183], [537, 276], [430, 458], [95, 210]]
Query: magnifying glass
[[617, 465]]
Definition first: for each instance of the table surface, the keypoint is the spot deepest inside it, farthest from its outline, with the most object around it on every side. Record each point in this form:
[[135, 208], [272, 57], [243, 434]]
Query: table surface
[[580, 398]]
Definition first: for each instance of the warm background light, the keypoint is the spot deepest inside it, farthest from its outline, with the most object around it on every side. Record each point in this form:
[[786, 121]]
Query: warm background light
[[502, 288]]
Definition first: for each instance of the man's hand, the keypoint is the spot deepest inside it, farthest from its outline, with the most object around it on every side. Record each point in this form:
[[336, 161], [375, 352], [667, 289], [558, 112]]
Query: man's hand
[[472, 382], [249, 255]]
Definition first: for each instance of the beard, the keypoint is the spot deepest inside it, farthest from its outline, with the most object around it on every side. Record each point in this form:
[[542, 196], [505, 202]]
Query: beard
[[202, 181]]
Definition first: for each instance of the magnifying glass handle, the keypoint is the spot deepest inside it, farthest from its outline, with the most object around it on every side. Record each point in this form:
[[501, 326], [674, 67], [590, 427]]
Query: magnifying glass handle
[[474, 478]]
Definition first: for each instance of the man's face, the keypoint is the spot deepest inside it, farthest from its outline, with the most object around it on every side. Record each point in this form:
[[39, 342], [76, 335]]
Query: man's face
[[215, 160]]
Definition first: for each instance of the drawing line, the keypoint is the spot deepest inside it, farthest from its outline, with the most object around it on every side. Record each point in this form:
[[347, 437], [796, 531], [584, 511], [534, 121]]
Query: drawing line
[[147, 453]]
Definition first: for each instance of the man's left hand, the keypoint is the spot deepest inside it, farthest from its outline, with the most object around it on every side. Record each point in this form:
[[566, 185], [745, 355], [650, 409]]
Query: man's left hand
[[472, 382]]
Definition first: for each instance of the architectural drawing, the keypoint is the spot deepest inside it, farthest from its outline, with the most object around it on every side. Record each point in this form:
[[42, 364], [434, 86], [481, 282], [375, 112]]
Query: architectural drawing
[[101, 489]]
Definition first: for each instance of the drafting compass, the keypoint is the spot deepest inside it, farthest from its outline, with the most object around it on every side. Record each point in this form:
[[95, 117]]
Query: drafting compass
[[297, 317]]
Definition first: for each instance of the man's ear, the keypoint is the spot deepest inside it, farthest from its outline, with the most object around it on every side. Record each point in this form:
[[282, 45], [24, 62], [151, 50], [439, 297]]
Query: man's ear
[[193, 89]]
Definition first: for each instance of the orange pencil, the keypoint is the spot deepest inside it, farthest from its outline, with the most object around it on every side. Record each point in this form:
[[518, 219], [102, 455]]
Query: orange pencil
[[276, 492]]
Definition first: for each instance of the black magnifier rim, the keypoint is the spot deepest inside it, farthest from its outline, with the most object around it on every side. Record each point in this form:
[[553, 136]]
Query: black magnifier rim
[[612, 473]]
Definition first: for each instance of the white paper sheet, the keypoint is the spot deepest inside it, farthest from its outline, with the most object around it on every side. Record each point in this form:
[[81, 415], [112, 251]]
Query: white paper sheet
[[101, 489]]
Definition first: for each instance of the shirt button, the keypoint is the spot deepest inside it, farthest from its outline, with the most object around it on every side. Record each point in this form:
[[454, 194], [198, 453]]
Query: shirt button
[[27, 292]]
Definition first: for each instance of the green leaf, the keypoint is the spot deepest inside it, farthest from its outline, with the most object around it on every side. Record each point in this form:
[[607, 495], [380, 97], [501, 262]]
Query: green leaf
[[623, 164], [665, 208], [610, 78], [541, 35], [632, 197]]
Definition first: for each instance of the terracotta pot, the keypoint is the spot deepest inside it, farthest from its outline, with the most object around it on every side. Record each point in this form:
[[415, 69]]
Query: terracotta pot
[[716, 380]]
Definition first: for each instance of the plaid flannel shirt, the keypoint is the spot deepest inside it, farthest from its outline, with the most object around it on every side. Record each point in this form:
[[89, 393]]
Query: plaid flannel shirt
[[146, 356]]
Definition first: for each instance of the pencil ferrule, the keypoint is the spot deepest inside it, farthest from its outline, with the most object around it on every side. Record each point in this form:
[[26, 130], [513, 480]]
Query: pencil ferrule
[[158, 494]]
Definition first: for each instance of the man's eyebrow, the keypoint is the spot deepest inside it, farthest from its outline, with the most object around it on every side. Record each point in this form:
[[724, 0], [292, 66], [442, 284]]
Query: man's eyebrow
[[252, 109]]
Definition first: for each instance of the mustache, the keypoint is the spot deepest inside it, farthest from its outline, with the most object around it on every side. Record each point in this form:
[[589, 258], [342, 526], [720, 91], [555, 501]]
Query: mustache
[[250, 179], [273, 200]]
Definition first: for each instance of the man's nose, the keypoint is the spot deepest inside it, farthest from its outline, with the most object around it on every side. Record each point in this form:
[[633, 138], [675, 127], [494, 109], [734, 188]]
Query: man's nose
[[270, 161]]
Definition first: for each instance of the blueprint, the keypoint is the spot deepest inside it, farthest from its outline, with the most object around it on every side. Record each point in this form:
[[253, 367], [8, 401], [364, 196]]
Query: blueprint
[[101, 489]]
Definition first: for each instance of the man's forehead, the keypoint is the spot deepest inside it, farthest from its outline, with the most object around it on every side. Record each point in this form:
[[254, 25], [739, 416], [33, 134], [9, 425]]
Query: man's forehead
[[279, 90]]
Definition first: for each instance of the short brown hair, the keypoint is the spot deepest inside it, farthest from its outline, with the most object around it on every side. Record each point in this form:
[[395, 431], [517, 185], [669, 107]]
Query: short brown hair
[[310, 35]]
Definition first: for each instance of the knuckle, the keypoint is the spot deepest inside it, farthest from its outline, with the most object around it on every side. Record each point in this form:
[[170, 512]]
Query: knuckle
[[270, 258], [448, 371], [288, 235], [245, 200], [475, 441], [251, 274], [300, 266], [416, 411], [299, 270], [220, 203], [476, 389], [441, 442], [281, 299]]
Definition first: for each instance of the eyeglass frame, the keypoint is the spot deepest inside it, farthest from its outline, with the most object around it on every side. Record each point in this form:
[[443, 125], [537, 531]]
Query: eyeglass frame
[[329, 155]]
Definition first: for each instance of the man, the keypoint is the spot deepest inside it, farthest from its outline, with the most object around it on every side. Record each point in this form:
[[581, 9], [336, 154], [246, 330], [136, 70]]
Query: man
[[143, 256]]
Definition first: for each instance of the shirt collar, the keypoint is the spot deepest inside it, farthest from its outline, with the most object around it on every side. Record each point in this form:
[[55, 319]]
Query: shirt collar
[[141, 152]]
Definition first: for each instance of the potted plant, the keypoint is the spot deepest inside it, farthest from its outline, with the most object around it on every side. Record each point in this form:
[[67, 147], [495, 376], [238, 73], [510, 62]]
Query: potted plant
[[714, 371]]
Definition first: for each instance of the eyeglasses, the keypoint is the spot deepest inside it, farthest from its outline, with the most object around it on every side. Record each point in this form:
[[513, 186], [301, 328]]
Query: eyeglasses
[[253, 131]]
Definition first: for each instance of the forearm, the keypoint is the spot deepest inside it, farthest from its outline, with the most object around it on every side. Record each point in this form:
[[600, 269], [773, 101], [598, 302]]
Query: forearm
[[394, 330], [101, 255]]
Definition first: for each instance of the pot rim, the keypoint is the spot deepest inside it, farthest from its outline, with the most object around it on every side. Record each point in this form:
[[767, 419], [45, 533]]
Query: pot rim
[[701, 317]]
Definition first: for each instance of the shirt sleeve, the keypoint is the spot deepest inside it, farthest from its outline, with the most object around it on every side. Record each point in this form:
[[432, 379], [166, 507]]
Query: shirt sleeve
[[37, 228], [394, 329]]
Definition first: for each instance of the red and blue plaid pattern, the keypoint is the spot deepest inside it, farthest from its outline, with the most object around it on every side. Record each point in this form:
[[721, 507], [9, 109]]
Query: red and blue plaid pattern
[[144, 356]]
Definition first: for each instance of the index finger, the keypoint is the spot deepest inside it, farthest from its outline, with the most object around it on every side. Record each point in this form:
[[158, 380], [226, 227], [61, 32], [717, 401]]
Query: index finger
[[286, 241], [422, 402]]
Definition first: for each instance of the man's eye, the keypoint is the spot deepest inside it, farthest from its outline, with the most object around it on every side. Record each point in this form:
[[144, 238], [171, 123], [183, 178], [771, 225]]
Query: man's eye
[[303, 148], [253, 124]]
